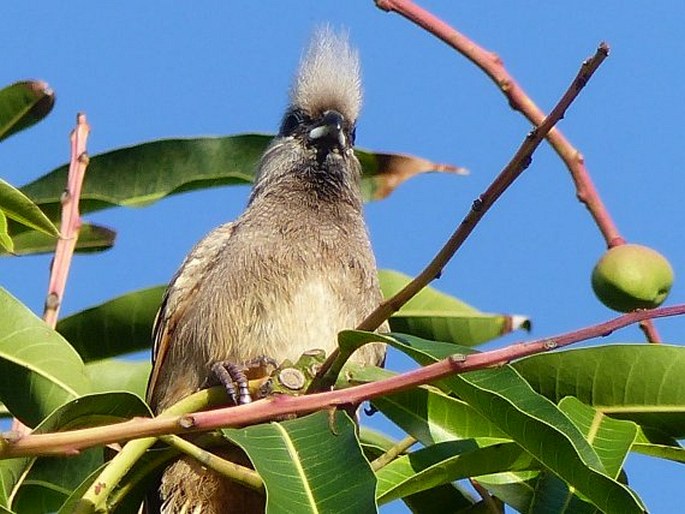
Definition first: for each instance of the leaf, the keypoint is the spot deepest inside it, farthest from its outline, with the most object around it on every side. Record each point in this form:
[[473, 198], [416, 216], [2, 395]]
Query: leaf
[[638, 382], [611, 439], [445, 499], [443, 463], [141, 174], [23, 104], [434, 315], [385, 172], [20, 208], [119, 375], [649, 442], [118, 326], [310, 464], [515, 489], [433, 417], [48, 481], [503, 397], [6, 243], [91, 238], [39, 370]]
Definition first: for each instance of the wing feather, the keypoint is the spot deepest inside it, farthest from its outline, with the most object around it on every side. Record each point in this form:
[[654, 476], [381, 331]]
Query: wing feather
[[180, 294]]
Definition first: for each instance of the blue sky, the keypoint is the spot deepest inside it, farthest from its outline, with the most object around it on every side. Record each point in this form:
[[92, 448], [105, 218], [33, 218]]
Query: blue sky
[[146, 70]]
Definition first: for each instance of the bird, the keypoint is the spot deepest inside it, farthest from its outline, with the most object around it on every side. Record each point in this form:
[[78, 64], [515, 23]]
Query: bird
[[294, 269]]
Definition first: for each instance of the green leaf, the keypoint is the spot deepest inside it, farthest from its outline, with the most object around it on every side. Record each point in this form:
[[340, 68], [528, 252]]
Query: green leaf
[[39, 370], [23, 104], [445, 499], [502, 396], [119, 375], [118, 326], [513, 488], [43, 484], [310, 464], [17, 206], [432, 417], [637, 382], [148, 172], [443, 463], [440, 317], [611, 438], [650, 442], [6, 243], [91, 238]]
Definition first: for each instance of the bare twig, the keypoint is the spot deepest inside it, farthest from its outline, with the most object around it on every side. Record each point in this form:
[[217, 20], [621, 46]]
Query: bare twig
[[481, 205], [71, 442], [491, 64], [493, 67], [70, 223]]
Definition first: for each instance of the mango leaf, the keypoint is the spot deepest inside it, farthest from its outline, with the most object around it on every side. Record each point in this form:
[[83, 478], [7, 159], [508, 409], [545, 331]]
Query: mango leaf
[[384, 172], [440, 317], [39, 370], [17, 206], [611, 439], [6, 242], [651, 442], [301, 465], [119, 375], [514, 488], [443, 463], [91, 238], [432, 417], [502, 396], [118, 326], [23, 104], [638, 382], [43, 484], [142, 174], [445, 499]]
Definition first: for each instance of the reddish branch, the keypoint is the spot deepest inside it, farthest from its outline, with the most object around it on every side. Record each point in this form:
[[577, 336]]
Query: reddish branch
[[493, 67], [70, 223], [507, 176], [71, 442], [491, 64]]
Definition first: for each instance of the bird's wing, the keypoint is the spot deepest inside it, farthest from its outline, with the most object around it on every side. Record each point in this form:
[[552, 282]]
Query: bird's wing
[[180, 294]]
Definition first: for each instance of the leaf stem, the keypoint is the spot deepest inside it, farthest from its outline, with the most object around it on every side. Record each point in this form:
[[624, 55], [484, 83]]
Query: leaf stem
[[394, 452]]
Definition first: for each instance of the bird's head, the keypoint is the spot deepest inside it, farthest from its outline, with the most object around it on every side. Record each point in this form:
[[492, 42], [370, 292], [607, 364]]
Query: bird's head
[[317, 133]]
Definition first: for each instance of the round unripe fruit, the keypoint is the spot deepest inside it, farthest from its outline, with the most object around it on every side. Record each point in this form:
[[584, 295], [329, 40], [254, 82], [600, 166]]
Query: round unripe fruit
[[630, 277]]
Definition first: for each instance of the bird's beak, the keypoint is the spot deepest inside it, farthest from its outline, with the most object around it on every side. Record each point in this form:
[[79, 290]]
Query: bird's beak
[[329, 129]]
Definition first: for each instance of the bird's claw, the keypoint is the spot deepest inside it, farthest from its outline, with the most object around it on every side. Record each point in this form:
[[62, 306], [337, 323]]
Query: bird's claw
[[231, 375], [235, 377]]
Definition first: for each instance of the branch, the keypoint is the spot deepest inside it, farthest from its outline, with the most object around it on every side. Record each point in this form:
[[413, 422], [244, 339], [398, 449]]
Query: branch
[[481, 205], [71, 442], [491, 64], [70, 223]]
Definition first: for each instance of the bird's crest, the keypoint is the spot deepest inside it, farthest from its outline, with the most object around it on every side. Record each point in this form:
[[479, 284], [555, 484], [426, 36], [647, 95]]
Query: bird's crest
[[328, 76]]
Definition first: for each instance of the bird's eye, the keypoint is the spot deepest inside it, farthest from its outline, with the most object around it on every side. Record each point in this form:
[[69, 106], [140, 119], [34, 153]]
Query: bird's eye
[[291, 122], [353, 134]]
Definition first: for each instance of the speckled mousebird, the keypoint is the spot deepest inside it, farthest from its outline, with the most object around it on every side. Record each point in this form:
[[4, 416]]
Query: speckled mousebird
[[285, 277]]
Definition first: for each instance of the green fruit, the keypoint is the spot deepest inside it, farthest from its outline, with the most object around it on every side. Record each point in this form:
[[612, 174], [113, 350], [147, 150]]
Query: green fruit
[[630, 277]]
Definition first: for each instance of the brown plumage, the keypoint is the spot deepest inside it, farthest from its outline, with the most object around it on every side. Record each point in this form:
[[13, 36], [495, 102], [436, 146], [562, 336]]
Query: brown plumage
[[291, 272]]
